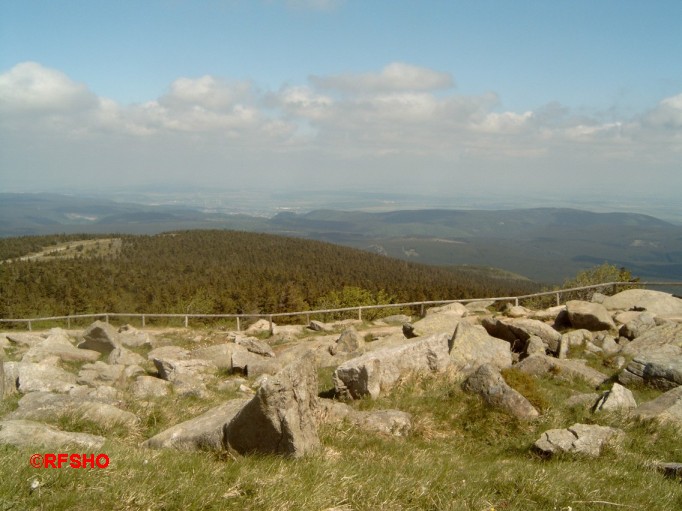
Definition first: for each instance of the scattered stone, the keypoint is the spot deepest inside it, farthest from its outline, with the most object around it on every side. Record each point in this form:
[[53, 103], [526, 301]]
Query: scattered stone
[[488, 383], [665, 338], [255, 346], [566, 369], [517, 311], [47, 406], [134, 338], [471, 346], [123, 356], [396, 319], [170, 352], [549, 314], [204, 432], [607, 344], [101, 337], [436, 324], [25, 433], [252, 365], [638, 326], [220, 354], [58, 344], [173, 370], [656, 302], [99, 373], [455, 308], [481, 306], [380, 370], [590, 316], [280, 419], [535, 346], [39, 377], [518, 331], [102, 394], [23, 339], [318, 326], [350, 341], [145, 387], [666, 408], [617, 399], [262, 325], [585, 439], [660, 370]]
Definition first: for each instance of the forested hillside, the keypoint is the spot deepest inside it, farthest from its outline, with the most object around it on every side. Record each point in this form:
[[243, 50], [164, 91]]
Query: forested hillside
[[216, 272]]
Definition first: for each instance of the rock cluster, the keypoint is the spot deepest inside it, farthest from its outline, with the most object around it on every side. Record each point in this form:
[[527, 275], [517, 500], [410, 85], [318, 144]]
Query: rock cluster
[[83, 376]]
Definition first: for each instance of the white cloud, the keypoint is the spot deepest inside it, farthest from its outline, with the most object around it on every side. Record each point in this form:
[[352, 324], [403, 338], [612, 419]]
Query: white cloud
[[394, 77], [28, 86], [668, 114]]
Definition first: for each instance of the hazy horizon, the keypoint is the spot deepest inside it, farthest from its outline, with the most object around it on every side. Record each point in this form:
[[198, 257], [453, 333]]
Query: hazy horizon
[[487, 101]]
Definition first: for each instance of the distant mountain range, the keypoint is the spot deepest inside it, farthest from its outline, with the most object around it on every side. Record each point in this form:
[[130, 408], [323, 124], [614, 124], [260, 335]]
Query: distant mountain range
[[544, 244]]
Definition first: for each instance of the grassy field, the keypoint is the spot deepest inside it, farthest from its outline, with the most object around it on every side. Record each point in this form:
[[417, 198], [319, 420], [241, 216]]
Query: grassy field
[[461, 455]]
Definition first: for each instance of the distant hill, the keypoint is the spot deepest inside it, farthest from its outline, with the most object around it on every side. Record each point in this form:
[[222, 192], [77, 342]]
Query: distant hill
[[218, 272], [544, 244]]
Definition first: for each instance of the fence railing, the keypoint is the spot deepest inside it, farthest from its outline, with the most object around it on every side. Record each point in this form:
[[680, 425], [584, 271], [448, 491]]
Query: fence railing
[[360, 308]]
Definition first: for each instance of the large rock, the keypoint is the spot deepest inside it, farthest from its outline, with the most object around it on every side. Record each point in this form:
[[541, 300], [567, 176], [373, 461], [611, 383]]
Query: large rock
[[518, 331], [25, 433], [172, 370], [380, 370], [59, 345], [101, 337], [639, 325], [656, 302], [99, 373], [659, 369], [255, 345], [590, 316], [436, 324], [565, 369], [471, 346], [585, 439], [280, 419], [204, 432], [665, 408], [219, 354], [47, 407], [455, 308], [488, 383], [617, 399], [124, 356], [665, 338], [30, 377], [253, 365], [23, 339], [350, 341], [145, 387], [134, 338]]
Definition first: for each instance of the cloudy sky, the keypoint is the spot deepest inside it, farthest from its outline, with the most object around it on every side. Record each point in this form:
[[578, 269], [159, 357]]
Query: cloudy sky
[[518, 97]]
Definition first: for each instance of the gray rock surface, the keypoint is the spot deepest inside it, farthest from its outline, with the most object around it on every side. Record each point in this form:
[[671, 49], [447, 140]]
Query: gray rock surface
[[100, 337], [204, 432], [145, 387], [350, 341], [280, 419], [255, 345], [618, 398], [659, 369], [124, 356], [566, 369], [588, 315], [133, 338], [488, 383], [218, 354], [518, 331], [48, 407], [665, 338], [58, 344], [378, 371], [656, 302], [99, 373], [666, 408], [471, 346], [585, 439], [39, 377], [639, 325], [25, 433]]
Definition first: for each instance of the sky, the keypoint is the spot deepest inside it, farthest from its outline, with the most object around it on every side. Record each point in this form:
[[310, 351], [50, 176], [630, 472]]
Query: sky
[[518, 98]]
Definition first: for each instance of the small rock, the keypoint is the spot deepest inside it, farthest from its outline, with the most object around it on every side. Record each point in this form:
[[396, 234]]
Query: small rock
[[618, 398], [585, 439]]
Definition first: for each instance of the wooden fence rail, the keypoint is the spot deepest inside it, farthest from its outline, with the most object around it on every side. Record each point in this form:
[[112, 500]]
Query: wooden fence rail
[[143, 317]]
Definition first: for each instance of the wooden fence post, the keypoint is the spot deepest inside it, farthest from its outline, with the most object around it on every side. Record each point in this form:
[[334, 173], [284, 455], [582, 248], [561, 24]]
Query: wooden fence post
[[186, 321], [143, 321], [359, 314], [558, 299], [272, 328], [238, 325]]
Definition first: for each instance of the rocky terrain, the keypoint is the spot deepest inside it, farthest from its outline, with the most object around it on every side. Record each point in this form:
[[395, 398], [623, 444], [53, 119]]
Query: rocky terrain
[[264, 394]]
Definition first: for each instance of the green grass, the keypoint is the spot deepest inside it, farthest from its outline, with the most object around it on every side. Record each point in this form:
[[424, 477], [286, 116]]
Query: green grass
[[461, 455]]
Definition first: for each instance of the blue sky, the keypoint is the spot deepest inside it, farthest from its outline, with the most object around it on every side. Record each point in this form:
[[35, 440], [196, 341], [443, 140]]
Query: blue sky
[[420, 94]]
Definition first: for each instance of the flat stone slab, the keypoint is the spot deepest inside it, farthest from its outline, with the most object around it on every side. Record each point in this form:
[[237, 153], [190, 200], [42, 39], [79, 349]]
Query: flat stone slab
[[585, 439], [204, 432], [666, 408], [566, 369], [25, 433]]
